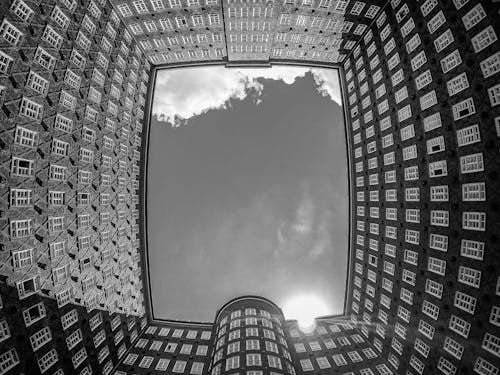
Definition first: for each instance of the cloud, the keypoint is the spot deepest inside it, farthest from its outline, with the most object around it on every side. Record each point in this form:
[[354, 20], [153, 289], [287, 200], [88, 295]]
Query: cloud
[[306, 234], [304, 217], [328, 83], [184, 93]]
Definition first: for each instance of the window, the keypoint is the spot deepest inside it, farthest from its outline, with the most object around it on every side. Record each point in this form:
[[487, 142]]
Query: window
[[430, 309], [412, 236], [83, 42], [86, 155], [52, 37], [253, 360], [401, 94], [491, 344], [438, 242], [68, 319], [439, 193], [130, 359], [40, 338], [457, 84], [323, 362], [33, 314], [426, 329], [4, 332], [495, 316], [306, 365], [64, 297], [406, 296], [140, 6], [30, 109], [5, 63], [46, 361], [21, 9], [21, 197], [55, 224], [438, 168], [170, 348], [10, 33], [339, 360], [79, 357], [72, 79], [427, 7], [37, 83], [404, 113], [186, 348], [232, 363], [409, 152], [271, 347], [411, 257], [410, 174], [489, 66], [20, 228], [88, 135], [124, 10], [59, 17], [453, 347], [45, 59], [73, 339], [472, 249], [61, 274], [451, 61], [474, 221], [432, 122], [460, 3], [469, 276], [95, 321], [459, 326], [162, 364], [146, 361], [8, 360], [63, 124], [494, 95], [197, 368], [436, 22], [214, 19], [439, 218], [428, 100], [483, 367], [77, 58], [471, 163], [22, 258], [434, 288], [464, 302], [57, 172], [468, 135], [443, 41], [437, 266], [483, 39], [59, 147]]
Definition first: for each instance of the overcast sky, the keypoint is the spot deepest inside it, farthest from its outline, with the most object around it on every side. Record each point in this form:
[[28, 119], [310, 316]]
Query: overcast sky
[[247, 189]]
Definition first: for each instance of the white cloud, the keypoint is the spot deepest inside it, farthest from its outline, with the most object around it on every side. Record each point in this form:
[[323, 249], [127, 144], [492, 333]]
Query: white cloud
[[184, 93], [328, 83], [306, 234], [304, 216]]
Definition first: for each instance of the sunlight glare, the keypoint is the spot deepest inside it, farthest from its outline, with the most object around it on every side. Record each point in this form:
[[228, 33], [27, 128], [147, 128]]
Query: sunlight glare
[[304, 309]]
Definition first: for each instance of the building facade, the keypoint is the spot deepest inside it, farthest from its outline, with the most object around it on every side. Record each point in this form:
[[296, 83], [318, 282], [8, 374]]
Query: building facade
[[421, 96], [73, 84], [250, 335]]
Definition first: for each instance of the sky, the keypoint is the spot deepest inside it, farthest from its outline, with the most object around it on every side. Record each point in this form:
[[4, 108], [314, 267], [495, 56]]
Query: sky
[[247, 189]]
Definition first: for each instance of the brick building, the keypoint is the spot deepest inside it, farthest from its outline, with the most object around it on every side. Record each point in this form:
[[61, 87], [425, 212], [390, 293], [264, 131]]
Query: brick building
[[421, 95]]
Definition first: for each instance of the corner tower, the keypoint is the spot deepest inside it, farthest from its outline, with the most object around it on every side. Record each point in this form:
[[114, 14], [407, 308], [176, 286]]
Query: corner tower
[[249, 337]]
